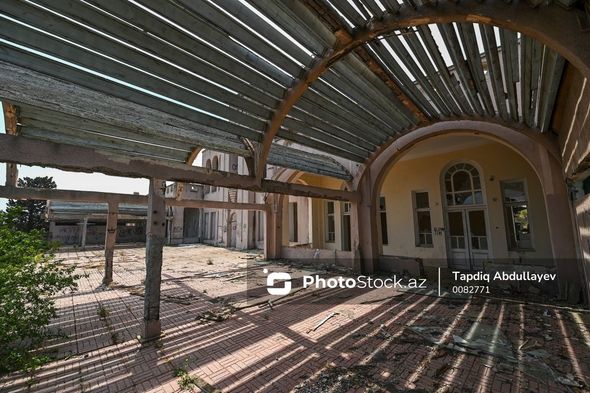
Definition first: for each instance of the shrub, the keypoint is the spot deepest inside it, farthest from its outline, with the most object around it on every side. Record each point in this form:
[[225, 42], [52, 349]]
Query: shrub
[[29, 278]]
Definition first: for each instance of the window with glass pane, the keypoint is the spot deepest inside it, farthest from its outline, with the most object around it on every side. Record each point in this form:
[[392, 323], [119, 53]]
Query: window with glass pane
[[330, 223], [423, 225], [516, 214], [383, 216], [463, 185]]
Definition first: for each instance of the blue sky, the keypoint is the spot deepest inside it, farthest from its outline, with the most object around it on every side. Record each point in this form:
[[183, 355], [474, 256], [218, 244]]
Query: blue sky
[[77, 181]]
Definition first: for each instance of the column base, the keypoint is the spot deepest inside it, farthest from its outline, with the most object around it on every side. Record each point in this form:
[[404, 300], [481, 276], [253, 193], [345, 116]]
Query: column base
[[152, 330]]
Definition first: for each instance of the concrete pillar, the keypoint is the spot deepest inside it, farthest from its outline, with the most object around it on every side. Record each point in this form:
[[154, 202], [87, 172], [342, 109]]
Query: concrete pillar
[[109, 242], [83, 230], [11, 174], [156, 233], [560, 219]]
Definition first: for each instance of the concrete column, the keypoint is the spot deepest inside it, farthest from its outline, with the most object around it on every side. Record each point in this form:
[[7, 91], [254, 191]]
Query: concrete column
[[11, 174], [83, 230], [560, 219], [109, 242], [156, 233]]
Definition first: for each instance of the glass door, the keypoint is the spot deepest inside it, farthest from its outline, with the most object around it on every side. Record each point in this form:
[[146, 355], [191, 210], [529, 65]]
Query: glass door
[[467, 238]]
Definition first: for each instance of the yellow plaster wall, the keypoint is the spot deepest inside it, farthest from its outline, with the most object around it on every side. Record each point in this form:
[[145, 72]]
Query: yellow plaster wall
[[496, 163]]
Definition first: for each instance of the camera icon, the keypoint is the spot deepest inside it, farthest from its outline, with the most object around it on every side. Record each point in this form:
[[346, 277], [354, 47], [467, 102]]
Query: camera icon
[[278, 276]]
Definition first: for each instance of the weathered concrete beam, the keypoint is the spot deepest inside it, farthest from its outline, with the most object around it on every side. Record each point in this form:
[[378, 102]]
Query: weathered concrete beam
[[156, 231], [28, 151], [109, 243]]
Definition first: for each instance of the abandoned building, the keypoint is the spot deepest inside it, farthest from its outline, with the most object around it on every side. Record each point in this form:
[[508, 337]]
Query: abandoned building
[[82, 224], [419, 137]]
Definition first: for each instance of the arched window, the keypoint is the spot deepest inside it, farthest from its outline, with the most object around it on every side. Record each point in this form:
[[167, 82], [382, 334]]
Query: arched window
[[463, 185]]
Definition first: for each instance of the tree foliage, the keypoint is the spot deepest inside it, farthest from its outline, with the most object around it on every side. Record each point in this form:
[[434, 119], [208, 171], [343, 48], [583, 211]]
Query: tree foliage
[[29, 278], [31, 216]]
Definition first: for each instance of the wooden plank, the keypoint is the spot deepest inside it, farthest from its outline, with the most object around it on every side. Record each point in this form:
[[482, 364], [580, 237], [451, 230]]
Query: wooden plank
[[468, 38], [509, 42], [350, 13], [298, 164], [323, 136], [327, 111], [217, 16], [551, 82], [304, 154], [452, 43], [80, 78], [385, 101], [409, 109], [298, 22], [155, 238], [140, 50], [241, 123], [425, 82], [305, 120], [216, 204], [325, 96], [494, 68], [46, 194], [289, 135], [526, 55], [22, 86], [434, 77], [80, 159], [156, 35], [360, 92], [309, 191], [43, 119], [403, 81], [537, 49], [109, 242], [10, 114], [76, 138], [449, 79], [187, 16]]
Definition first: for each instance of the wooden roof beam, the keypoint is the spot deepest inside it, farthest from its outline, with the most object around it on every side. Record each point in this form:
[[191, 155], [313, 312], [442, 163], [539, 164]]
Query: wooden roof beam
[[21, 150]]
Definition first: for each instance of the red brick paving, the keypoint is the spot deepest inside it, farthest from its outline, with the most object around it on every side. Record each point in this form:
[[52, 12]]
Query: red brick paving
[[270, 350]]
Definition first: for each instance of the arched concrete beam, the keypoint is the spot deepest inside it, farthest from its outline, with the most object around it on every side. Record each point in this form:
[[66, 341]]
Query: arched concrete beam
[[535, 148], [552, 25]]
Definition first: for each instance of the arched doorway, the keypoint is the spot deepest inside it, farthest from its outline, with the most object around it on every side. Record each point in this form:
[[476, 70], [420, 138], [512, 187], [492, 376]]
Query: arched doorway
[[466, 217]]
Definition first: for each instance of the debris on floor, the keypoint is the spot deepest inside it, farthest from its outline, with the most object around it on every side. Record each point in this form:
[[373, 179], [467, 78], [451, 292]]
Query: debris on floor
[[326, 319], [341, 380], [216, 315]]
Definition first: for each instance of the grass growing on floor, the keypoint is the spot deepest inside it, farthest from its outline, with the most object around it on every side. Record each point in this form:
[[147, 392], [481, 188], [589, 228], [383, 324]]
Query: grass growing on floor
[[185, 381]]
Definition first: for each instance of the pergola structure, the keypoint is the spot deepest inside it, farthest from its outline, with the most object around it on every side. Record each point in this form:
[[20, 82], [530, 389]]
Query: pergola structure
[[137, 88]]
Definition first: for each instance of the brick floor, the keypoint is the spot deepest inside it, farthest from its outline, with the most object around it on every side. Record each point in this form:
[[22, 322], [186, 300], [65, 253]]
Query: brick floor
[[273, 350]]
